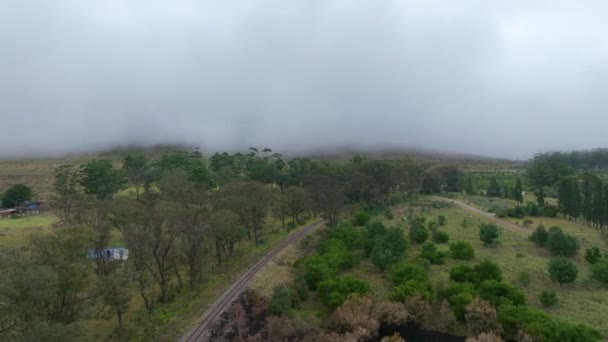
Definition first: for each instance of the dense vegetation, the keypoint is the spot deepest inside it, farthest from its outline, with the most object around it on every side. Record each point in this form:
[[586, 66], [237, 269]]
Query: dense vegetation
[[186, 215]]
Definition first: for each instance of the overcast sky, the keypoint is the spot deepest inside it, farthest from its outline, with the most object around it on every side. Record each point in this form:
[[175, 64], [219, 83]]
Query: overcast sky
[[498, 78]]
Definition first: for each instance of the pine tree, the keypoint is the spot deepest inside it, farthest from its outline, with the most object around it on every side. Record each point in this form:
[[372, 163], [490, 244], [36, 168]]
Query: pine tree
[[517, 192], [469, 187], [493, 188]]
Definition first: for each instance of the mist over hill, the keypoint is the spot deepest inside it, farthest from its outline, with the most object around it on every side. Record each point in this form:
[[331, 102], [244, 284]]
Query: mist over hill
[[506, 80]]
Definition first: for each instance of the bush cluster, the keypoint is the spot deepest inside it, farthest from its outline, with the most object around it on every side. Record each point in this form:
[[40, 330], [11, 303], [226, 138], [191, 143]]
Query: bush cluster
[[555, 240]]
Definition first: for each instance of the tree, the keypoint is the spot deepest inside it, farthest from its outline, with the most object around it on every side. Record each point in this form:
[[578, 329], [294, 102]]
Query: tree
[[569, 197], [431, 182], [99, 178], [469, 189], [328, 195], [149, 229], [518, 191], [67, 179], [250, 201], [227, 231], [562, 270], [488, 233], [135, 168], [560, 243], [63, 253], [494, 188], [298, 201], [545, 170], [15, 195], [114, 290]]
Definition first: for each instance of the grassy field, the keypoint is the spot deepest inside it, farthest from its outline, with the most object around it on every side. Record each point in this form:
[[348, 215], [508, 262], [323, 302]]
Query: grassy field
[[14, 232], [583, 301]]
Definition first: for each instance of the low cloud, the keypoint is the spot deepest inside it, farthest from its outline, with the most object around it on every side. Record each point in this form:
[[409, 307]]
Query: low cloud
[[504, 80]]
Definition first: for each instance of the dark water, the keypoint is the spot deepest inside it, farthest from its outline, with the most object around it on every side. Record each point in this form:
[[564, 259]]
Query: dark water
[[414, 334]]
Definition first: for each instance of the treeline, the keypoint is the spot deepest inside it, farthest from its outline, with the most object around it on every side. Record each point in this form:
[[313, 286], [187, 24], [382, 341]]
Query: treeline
[[584, 196], [580, 195], [185, 214], [596, 159]]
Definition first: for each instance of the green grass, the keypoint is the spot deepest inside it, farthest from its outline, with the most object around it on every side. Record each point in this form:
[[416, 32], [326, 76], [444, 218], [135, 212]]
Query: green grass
[[14, 232], [584, 301]]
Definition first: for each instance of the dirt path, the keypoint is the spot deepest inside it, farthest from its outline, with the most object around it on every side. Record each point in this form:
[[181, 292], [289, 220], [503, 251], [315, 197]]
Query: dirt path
[[488, 216], [198, 332]]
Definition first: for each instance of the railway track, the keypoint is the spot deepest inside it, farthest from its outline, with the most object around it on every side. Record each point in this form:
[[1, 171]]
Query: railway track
[[216, 309]]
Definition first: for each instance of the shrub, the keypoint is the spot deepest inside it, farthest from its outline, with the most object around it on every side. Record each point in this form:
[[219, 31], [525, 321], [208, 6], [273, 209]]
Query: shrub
[[388, 214], [280, 302], [388, 248], [406, 271], [488, 270], [333, 292], [532, 209], [418, 232], [464, 273], [481, 317], [345, 233], [301, 289], [355, 316], [499, 293], [562, 270], [374, 228], [528, 223], [286, 329], [442, 220], [549, 210], [433, 225], [458, 303], [548, 298], [462, 250], [316, 269], [420, 235], [593, 255], [539, 236], [485, 270], [361, 218], [464, 223], [429, 252], [599, 271], [411, 288], [488, 233], [559, 243], [540, 326], [524, 278], [441, 237]]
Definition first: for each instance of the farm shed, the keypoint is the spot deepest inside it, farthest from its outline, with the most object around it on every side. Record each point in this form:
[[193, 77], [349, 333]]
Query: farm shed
[[7, 213], [112, 253]]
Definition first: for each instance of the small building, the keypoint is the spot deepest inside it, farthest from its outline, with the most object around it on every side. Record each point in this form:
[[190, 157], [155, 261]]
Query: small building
[[30, 208], [8, 213], [112, 253]]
